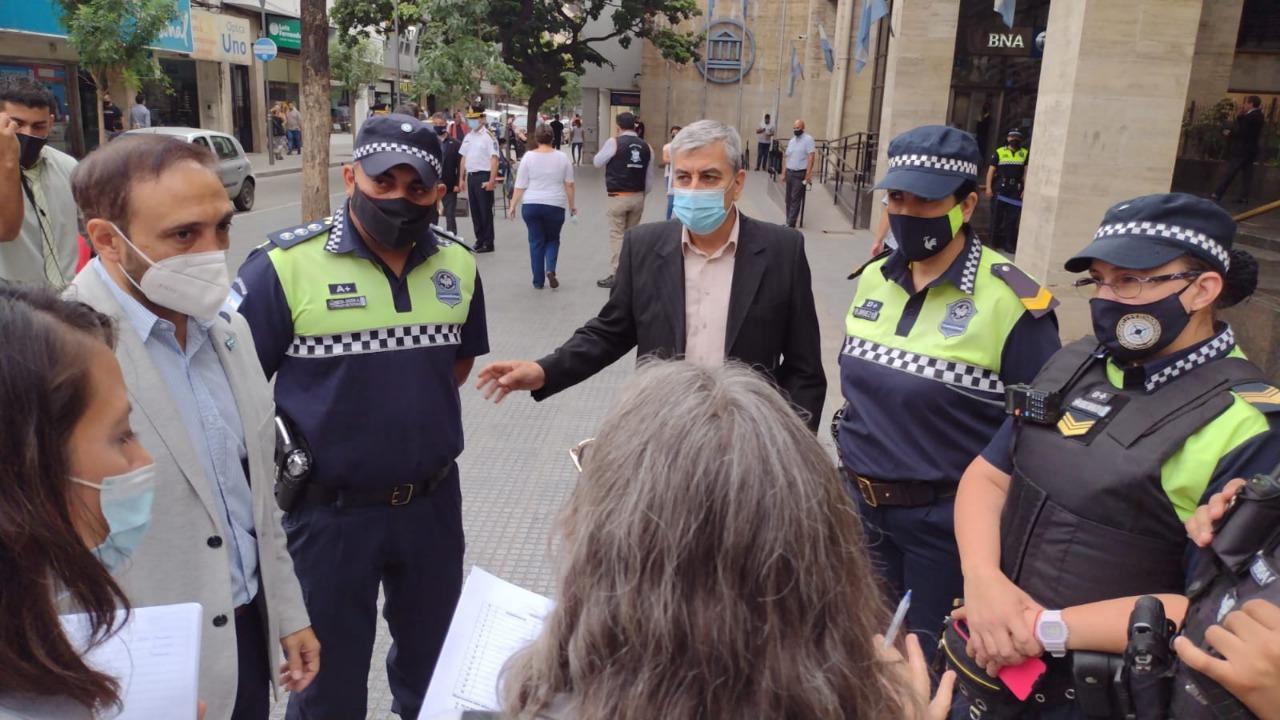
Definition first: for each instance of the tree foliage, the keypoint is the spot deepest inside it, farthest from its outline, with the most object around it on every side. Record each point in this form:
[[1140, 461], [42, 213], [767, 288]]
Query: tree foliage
[[114, 37], [355, 65]]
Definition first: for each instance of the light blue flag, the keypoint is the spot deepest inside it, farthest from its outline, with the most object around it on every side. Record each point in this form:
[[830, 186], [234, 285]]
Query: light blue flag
[[797, 71], [872, 11], [1005, 8], [745, 3], [828, 53], [711, 10]]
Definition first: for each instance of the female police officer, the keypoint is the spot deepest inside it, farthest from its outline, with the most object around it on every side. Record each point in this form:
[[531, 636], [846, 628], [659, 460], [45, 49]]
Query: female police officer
[[1080, 504], [937, 328]]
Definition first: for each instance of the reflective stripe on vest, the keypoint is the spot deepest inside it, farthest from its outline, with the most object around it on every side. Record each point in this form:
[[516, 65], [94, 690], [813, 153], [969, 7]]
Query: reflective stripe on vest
[[342, 304], [1008, 156]]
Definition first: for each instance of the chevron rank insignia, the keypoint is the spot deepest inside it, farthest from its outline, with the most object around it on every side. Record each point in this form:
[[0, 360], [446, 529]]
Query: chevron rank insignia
[[290, 236], [1264, 397], [1035, 297], [1075, 424], [445, 238]]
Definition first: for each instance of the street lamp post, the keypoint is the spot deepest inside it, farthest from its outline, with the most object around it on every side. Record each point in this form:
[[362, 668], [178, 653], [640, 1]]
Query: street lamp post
[[266, 90]]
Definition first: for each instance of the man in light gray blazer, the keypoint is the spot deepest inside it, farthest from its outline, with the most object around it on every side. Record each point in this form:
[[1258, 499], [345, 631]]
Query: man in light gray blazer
[[159, 219]]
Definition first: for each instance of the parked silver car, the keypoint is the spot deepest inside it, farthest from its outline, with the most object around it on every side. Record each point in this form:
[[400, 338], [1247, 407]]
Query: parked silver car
[[233, 167]]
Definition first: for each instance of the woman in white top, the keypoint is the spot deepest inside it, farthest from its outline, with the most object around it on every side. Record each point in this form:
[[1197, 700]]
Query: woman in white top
[[575, 140], [544, 182]]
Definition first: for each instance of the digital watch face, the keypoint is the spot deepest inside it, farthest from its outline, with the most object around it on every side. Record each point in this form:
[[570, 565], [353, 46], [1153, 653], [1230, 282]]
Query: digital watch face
[[1138, 331]]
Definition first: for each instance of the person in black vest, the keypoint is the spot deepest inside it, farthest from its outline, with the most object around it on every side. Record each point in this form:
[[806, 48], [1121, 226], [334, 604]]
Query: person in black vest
[[451, 157], [1243, 150], [1077, 505], [625, 159]]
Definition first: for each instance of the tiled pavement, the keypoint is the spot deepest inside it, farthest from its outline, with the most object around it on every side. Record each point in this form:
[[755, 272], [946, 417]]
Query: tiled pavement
[[516, 470]]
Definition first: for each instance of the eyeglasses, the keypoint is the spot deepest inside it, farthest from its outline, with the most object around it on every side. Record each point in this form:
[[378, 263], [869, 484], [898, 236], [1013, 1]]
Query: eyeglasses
[[575, 452], [1128, 287]]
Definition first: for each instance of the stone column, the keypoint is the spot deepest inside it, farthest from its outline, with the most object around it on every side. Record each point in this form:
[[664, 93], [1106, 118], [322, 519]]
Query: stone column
[[1108, 117], [918, 74], [1215, 53]]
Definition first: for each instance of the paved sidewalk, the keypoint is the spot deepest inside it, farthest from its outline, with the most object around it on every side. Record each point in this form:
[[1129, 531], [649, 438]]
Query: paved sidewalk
[[339, 153], [516, 471]]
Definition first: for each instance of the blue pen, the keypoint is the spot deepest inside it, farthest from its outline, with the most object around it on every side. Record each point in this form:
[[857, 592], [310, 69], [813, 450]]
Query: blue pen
[[898, 616]]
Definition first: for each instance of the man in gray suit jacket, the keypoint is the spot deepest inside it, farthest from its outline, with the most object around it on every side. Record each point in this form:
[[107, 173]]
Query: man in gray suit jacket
[[159, 219]]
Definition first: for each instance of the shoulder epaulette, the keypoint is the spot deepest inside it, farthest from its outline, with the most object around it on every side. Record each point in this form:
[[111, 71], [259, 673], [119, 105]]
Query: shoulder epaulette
[[290, 236], [883, 254], [1264, 397], [1035, 297], [444, 238]]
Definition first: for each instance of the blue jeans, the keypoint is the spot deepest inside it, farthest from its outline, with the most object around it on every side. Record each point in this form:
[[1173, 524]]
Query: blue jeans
[[544, 223], [295, 140]]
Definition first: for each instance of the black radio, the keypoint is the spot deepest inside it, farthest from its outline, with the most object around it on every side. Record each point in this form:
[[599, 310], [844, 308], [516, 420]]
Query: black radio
[[293, 465], [1024, 402]]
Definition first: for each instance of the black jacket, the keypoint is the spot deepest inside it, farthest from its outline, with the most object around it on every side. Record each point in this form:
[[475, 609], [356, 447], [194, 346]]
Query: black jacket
[[773, 325], [450, 151], [1246, 134]]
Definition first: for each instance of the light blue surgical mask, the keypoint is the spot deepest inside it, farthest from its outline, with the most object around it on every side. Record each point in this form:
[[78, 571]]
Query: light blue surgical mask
[[700, 210], [473, 124], [126, 504]]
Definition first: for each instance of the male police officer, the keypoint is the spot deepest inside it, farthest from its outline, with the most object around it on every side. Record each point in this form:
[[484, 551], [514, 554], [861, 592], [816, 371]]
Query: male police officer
[[1005, 172], [370, 320]]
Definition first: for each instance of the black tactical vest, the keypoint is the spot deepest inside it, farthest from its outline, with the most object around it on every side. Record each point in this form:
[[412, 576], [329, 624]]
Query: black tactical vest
[[625, 171], [1087, 518]]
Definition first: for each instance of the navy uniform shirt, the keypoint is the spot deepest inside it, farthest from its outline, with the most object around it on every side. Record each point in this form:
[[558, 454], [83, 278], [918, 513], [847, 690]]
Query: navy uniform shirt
[[371, 419], [902, 426]]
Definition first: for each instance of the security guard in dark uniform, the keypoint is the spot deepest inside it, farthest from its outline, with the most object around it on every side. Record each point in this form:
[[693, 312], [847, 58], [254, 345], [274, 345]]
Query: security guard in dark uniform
[[369, 321], [937, 329], [1006, 173], [1112, 447]]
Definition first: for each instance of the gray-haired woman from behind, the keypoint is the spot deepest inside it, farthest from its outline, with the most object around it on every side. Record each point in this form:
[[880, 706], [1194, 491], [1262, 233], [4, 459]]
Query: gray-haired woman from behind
[[713, 567]]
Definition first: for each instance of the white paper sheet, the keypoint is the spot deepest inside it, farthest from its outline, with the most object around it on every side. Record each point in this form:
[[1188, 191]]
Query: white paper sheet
[[155, 656], [494, 620]]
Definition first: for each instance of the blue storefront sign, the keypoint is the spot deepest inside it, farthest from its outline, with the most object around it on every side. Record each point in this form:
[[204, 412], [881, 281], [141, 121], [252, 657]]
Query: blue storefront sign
[[43, 17]]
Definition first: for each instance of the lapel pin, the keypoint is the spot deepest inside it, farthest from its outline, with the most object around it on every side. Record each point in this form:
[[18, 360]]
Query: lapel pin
[[230, 342]]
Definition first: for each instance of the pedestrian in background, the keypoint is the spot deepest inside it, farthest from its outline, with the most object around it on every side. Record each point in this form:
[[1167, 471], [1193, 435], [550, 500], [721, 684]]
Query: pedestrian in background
[[800, 155], [509, 138], [139, 114], [639, 127], [450, 159], [666, 169], [277, 131], [557, 132], [1243, 150], [544, 182], [112, 118], [480, 168], [293, 128], [625, 159], [1006, 177], [764, 138], [457, 127], [576, 139]]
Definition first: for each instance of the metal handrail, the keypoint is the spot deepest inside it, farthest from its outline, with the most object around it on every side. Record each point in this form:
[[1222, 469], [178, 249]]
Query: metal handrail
[[847, 165]]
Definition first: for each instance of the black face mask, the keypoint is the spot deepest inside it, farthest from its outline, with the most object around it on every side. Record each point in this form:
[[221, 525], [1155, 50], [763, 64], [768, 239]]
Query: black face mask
[[1015, 143], [1133, 332], [442, 129], [29, 148], [798, 132], [396, 223], [920, 238]]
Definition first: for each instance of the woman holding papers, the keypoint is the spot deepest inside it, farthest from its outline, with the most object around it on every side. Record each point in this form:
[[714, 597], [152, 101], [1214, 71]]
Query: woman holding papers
[[75, 498], [713, 567]]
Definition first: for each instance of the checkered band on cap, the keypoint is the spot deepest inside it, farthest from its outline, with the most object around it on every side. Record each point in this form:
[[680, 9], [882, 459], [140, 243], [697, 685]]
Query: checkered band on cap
[[948, 372], [378, 147], [405, 337], [1214, 349], [1169, 232], [935, 162]]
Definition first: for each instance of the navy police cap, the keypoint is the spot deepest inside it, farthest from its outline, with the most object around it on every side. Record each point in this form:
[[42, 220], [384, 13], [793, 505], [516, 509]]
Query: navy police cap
[[389, 140], [1149, 231], [931, 161]]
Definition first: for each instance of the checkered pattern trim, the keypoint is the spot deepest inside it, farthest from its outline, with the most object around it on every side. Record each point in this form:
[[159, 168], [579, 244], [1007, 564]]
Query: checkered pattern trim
[[335, 232], [949, 372], [1216, 348], [934, 162], [405, 337], [969, 275], [377, 147], [1170, 232]]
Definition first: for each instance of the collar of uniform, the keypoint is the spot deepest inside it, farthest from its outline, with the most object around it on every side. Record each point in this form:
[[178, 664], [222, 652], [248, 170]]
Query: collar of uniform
[[730, 246], [962, 272], [344, 238], [1151, 375]]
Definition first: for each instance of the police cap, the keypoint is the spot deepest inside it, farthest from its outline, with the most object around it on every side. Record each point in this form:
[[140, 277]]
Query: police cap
[[931, 161], [1149, 231], [389, 140]]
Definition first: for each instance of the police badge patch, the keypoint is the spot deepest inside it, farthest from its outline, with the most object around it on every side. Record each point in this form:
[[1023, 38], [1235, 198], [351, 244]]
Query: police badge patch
[[448, 288], [956, 319]]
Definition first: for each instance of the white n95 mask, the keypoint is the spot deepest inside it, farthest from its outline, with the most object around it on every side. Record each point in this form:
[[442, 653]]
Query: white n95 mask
[[194, 284]]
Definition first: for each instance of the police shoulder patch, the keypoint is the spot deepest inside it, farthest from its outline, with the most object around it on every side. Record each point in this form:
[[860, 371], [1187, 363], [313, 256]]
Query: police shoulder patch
[[290, 236], [445, 238], [1264, 397], [1035, 297], [869, 263]]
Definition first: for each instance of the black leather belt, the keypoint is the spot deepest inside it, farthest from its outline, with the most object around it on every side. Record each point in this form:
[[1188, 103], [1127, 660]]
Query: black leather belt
[[878, 493], [394, 496]]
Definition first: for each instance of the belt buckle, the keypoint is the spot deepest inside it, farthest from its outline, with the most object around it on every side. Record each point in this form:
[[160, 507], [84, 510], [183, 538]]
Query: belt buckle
[[868, 493], [398, 499]]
